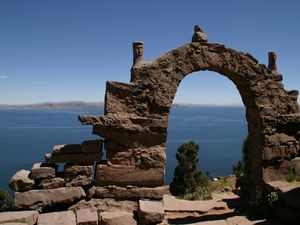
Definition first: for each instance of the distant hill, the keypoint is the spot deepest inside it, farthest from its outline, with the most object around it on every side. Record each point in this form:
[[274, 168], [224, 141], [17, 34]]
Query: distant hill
[[56, 105]]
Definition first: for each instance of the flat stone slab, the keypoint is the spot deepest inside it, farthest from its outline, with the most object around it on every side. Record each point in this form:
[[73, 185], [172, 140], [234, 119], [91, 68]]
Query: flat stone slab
[[52, 183], [92, 146], [67, 149], [57, 218], [20, 217], [42, 171], [39, 198], [87, 217], [107, 204], [74, 169], [151, 212], [289, 192], [172, 204], [21, 181], [116, 218], [128, 192], [73, 158], [78, 180]]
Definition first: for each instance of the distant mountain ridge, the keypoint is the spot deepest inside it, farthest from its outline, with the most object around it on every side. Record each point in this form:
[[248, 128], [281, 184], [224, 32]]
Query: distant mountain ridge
[[55, 105]]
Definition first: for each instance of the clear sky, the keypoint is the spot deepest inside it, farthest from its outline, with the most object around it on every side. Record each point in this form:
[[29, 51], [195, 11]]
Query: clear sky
[[61, 50]]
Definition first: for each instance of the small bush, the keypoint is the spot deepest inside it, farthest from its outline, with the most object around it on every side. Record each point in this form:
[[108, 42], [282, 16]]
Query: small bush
[[264, 203], [5, 200], [292, 176]]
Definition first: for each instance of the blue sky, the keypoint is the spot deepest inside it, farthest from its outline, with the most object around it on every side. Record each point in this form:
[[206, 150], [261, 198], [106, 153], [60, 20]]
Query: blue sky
[[61, 50]]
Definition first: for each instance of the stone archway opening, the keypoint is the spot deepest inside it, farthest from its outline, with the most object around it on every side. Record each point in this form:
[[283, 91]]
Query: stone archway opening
[[217, 123]]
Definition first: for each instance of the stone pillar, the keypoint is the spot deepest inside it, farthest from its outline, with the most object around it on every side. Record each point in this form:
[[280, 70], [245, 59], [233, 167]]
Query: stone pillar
[[272, 62], [138, 52]]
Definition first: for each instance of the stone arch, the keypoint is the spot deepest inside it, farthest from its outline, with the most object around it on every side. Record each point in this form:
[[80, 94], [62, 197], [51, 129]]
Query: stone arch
[[136, 115]]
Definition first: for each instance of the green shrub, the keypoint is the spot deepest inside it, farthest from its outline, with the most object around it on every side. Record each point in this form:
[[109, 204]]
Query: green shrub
[[5, 200], [292, 176], [187, 178], [264, 203]]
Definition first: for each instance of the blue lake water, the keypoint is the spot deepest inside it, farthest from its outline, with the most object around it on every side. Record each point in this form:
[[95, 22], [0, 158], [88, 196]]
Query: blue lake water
[[27, 135]]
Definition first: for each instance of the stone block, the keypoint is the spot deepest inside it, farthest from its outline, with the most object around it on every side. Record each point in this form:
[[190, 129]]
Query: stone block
[[74, 169], [21, 181], [52, 183], [87, 217], [42, 171], [92, 146], [57, 218], [67, 149], [73, 158], [128, 192], [128, 175], [22, 217], [116, 218], [78, 180], [35, 199], [151, 212]]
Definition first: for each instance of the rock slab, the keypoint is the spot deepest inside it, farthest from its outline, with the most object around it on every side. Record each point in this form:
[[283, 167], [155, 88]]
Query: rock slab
[[22, 217], [151, 212], [39, 198], [52, 183], [41, 171], [87, 217], [116, 218], [21, 181], [57, 218]]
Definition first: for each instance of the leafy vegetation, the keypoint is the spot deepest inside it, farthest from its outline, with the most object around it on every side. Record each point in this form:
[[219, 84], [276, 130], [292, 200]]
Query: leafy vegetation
[[5, 200], [292, 176], [188, 182], [264, 203]]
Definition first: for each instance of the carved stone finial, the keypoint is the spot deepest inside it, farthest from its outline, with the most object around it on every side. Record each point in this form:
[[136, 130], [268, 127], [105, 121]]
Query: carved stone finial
[[138, 52], [272, 62], [199, 35]]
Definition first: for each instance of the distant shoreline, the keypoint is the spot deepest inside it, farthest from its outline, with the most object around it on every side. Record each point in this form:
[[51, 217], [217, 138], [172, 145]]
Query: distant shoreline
[[83, 105]]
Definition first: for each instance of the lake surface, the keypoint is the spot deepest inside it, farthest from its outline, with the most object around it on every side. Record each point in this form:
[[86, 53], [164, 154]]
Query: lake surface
[[27, 135]]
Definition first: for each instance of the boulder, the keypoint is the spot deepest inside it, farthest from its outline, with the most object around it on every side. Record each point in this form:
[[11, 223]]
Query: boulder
[[151, 212], [39, 198], [107, 204], [87, 217], [42, 171], [128, 175], [116, 218], [73, 158], [21, 181], [21, 217], [57, 218], [128, 192], [92, 146], [52, 183]]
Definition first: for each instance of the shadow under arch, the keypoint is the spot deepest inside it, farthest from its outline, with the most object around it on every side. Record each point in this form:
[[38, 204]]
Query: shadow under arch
[[136, 114]]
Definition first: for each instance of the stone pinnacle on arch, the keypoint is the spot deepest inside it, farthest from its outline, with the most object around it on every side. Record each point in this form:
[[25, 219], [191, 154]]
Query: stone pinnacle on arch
[[199, 35], [138, 53], [272, 62]]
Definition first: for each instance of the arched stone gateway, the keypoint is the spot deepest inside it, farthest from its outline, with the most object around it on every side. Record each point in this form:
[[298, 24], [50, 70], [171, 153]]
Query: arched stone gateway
[[136, 114]]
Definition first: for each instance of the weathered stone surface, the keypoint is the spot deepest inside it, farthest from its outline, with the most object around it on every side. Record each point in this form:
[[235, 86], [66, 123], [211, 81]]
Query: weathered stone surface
[[67, 149], [42, 171], [151, 212], [128, 192], [73, 158], [199, 36], [92, 146], [78, 180], [107, 205], [21, 181], [128, 175], [116, 218], [75, 169], [289, 192], [87, 217], [57, 218], [35, 199], [22, 217], [52, 183], [295, 164]]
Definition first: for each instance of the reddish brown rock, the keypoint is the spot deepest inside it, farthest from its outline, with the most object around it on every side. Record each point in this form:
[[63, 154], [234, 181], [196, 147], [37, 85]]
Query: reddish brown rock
[[151, 212], [73, 158], [78, 174], [116, 218], [92, 146], [52, 183], [35, 199], [19, 217], [128, 192], [42, 171], [87, 217], [21, 181], [57, 218], [128, 175]]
